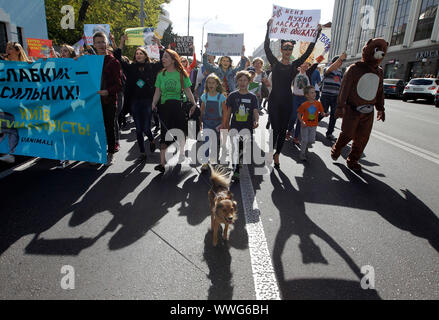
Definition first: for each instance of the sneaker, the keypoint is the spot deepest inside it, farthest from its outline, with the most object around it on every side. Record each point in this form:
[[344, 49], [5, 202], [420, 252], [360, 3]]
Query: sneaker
[[152, 146], [109, 160], [204, 167], [143, 156], [117, 147], [160, 168], [330, 137], [235, 176], [156, 130], [8, 158], [62, 164]]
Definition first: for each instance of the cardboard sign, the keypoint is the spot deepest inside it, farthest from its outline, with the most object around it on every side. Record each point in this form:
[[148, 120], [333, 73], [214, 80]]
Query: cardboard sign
[[183, 46], [225, 44], [293, 24], [39, 48], [139, 36], [91, 29]]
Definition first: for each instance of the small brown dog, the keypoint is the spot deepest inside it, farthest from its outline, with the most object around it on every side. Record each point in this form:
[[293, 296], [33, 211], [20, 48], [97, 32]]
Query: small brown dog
[[223, 208]]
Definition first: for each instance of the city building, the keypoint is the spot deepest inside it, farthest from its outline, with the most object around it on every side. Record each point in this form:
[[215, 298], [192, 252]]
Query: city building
[[22, 19], [411, 27]]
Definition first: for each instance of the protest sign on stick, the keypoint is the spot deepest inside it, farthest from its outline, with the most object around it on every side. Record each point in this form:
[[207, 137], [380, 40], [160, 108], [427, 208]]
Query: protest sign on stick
[[139, 36], [293, 24], [91, 29], [225, 44], [39, 48], [184, 45]]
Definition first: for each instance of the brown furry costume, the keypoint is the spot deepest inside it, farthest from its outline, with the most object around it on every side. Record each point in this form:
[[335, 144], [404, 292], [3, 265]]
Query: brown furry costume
[[361, 91]]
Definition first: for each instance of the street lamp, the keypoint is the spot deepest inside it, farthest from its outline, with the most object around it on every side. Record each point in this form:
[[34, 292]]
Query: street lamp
[[202, 36]]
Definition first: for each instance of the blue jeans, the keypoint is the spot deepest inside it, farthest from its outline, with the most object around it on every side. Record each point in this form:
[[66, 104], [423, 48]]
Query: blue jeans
[[142, 112], [297, 101], [330, 102]]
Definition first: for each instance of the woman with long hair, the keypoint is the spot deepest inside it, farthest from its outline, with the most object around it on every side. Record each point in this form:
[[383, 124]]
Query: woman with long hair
[[284, 72], [140, 78], [15, 52], [170, 85]]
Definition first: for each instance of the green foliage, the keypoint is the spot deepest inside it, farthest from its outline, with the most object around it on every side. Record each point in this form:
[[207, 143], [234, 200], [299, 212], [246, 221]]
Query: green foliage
[[119, 14]]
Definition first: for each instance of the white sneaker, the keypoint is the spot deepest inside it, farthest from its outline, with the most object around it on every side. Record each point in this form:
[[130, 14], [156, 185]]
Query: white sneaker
[[8, 158], [109, 160]]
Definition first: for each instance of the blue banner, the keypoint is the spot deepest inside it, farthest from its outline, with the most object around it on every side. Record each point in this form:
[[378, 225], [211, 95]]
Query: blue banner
[[51, 109]]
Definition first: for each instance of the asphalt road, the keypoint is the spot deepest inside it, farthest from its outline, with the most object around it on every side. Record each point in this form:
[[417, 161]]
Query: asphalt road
[[132, 234]]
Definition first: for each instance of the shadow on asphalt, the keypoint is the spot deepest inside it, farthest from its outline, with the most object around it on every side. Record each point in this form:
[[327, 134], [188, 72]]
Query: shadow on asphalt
[[25, 190], [367, 193]]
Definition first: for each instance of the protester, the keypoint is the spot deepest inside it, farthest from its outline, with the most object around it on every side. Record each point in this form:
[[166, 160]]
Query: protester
[[213, 112], [14, 52], [201, 76], [254, 87], [185, 62], [225, 71], [170, 85], [308, 113], [111, 86], [242, 113], [301, 80], [331, 84], [261, 78], [281, 97], [141, 76], [316, 78]]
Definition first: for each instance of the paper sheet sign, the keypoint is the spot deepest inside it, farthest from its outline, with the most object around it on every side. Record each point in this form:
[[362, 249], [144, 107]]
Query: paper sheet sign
[[39, 48], [91, 29], [153, 51], [293, 24], [225, 44], [139, 36], [183, 45]]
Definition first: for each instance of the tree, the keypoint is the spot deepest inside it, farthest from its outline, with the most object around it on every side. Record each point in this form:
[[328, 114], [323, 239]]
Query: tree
[[119, 14], [168, 36]]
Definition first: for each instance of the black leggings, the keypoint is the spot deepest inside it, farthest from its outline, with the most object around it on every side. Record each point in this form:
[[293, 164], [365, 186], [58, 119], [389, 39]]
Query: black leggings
[[279, 115], [172, 117]]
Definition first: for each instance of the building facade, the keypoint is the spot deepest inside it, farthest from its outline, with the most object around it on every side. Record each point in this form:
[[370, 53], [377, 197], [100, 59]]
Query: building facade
[[411, 27], [22, 19]]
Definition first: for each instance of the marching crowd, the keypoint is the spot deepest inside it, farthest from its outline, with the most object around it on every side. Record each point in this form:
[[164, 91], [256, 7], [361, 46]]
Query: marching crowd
[[221, 98]]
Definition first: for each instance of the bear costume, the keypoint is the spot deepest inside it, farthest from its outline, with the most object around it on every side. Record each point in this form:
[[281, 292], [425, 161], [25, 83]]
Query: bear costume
[[361, 90]]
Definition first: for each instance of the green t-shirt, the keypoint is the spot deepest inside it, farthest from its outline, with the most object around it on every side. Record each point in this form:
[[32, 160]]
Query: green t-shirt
[[170, 85]]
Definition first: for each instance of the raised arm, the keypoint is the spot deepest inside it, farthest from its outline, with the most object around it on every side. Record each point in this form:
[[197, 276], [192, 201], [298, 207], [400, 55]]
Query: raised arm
[[209, 67], [270, 56], [308, 52]]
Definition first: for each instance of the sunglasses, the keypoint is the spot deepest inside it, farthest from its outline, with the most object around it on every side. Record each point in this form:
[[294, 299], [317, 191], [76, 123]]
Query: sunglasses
[[289, 48]]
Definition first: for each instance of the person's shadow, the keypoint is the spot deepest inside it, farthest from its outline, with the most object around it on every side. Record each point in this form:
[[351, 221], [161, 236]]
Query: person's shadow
[[294, 221]]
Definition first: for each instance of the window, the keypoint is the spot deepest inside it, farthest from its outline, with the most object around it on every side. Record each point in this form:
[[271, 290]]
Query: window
[[426, 19], [3, 37], [382, 18], [421, 82], [20, 35], [353, 25], [400, 26], [364, 33]]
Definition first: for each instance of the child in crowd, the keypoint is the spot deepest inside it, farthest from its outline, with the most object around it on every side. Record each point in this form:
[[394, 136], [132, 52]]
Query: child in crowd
[[308, 114], [242, 113], [254, 87], [213, 112]]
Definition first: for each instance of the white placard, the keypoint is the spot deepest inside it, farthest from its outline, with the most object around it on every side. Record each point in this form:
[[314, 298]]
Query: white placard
[[91, 29], [225, 44], [153, 51], [293, 24]]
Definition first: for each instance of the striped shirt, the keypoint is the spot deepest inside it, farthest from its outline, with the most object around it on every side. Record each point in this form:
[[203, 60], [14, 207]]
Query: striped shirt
[[331, 83]]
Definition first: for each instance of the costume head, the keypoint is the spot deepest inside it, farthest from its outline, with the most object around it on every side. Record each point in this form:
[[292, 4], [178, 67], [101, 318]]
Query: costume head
[[374, 51]]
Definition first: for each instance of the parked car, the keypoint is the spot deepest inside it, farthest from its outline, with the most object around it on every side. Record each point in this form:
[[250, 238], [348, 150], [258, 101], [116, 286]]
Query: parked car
[[393, 88], [421, 88]]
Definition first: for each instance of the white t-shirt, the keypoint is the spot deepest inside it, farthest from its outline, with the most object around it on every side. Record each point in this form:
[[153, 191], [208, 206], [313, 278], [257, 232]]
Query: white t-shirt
[[300, 83]]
